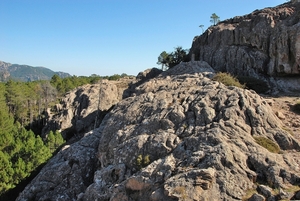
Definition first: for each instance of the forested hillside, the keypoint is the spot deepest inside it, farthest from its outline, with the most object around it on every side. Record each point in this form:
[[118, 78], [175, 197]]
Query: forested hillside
[[26, 73], [23, 114]]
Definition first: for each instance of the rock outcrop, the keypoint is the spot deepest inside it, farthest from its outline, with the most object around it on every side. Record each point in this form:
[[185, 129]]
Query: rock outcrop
[[4, 74], [83, 109], [180, 136], [264, 44]]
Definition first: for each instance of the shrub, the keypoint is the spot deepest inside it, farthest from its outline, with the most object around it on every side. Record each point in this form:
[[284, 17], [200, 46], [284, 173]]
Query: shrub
[[258, 85], [146, 160], [268, 144], [228, 80], [142, 161], [139, 160], [114, 77]]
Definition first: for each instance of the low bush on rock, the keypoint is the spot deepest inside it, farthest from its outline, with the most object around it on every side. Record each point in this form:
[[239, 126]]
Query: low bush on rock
[[142, 161], [268, 144], [228, 80]]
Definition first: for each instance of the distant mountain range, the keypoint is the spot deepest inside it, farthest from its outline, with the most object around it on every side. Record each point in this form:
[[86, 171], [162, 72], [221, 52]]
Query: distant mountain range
[[26, 73]]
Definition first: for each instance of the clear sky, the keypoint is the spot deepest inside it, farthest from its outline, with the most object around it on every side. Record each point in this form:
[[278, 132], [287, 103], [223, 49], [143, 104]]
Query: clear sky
[[106, 37]]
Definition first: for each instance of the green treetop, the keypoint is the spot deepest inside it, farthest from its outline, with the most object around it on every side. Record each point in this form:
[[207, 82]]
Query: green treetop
[[214, 18]]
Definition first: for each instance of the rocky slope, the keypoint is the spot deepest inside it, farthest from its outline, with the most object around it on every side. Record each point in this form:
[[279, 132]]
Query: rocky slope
[[264, 44], [82, 109], [178, 136]]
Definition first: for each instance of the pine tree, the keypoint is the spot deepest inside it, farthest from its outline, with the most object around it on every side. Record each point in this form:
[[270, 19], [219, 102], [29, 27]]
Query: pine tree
[[54, 140]]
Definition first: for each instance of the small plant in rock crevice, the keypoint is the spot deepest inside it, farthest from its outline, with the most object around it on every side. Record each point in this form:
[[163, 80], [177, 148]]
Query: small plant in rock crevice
[[142, 161], [268, 144]]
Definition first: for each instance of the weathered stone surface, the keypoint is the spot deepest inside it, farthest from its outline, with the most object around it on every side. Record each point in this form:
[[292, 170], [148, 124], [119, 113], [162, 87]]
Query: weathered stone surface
[[265, 190], [4, 73], [256, 197], [297, 195], [196, 133], [78, 110], [264, 44], [280, 115], [141, 78], [284, 195]]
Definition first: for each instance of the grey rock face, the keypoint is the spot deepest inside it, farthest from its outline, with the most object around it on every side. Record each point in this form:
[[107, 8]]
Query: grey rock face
[[4, 65], [78, 111], [180, 137], [263, 44], [297, 195], [198, 133], [257, 197]]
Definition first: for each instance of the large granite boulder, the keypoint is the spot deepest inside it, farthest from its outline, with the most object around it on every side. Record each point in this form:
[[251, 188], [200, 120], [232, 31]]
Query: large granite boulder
[[83, 109]]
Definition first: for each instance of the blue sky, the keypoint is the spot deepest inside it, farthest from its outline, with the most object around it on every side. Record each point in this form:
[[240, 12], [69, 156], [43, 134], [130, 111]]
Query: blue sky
[[106, 37]]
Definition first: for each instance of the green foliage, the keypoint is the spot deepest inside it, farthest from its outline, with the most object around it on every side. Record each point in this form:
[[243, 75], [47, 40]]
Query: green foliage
[[174, 58], [227, 80], [115, 76], [142, 161], [146, 160], [139, 160], [163, 59], [66, 84], [268, 144], [26, 73], [258, 85], [215, 19], [21, 152], [21, 104], [27, 102], [201, 26], [54, 141]]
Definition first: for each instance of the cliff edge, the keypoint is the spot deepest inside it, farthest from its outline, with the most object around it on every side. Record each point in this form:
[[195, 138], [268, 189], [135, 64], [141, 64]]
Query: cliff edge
[[264, 44]]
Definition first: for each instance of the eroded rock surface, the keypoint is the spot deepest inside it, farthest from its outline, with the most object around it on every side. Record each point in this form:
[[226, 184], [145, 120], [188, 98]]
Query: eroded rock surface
[[180, 136], [264, 44], [84, 108]]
